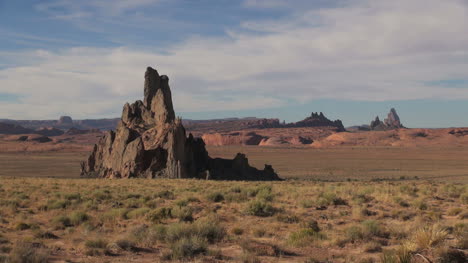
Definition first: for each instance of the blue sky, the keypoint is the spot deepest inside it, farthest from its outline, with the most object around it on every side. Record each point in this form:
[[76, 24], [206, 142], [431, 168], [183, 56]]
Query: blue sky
[[351, 59]]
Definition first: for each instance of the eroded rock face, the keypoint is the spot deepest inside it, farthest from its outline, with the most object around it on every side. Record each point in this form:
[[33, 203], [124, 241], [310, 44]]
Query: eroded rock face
[[151, 142]]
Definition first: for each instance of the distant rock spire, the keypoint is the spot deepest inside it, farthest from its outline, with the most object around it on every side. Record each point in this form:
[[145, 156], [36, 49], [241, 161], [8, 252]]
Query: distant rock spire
[[391, 122]]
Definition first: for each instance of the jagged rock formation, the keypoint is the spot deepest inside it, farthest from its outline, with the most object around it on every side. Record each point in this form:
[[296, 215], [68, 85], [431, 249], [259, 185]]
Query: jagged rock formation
[[151, 142], [318, 120], [390, 123], [393, 120], [377, 124]]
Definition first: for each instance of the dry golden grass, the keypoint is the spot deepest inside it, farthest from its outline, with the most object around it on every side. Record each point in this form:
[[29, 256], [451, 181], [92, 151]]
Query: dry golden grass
[[139, 220], [339, 205]]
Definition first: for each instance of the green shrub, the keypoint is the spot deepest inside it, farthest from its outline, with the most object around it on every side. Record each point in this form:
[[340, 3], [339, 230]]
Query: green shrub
[[125, 244], [265, 193], [235, 189], [311, 224], [102, 195], [159, 214], [236, 197], [259, 232], [237, 231], [147, 236], [288, 219], [464, 198], [307, 203], [183, 214], [401, 202], [362, 198], [165, 195], [188, 247], [115, 214], [44, 234], [22, 226], [354, 233], [58, 204], [96, 243], [215, 197], [209, 231], [72, 196], [260, 208], [25, 252], [138, 213], [371, 228], [250, 258], [304, 237], [76, 218], [61, 222], [454, 211], [420, 204], [329, 198], [401, 255], [182, 202], [133, 195]]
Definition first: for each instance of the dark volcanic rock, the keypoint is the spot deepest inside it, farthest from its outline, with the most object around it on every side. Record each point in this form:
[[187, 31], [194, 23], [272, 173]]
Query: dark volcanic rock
[[151, 142]]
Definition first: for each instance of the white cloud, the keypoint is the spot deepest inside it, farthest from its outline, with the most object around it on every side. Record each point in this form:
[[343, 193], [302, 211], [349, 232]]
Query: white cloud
[[71, 9], [365, 50]]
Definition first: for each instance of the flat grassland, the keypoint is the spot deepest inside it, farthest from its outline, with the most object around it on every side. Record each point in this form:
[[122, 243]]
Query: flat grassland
[[339, 205]]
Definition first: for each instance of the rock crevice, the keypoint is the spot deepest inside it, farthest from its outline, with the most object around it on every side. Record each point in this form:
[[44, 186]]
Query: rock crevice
[[151, 142]]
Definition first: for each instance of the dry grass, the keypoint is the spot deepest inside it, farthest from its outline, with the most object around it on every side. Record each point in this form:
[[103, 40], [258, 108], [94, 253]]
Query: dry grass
[[146, 220]]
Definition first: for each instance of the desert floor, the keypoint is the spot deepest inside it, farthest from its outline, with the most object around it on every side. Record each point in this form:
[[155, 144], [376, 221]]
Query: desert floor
[[304, 163], [348, 204]]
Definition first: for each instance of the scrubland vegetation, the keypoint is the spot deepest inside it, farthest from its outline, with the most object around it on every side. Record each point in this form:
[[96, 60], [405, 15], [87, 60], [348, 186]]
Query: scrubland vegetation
[[92, 220]]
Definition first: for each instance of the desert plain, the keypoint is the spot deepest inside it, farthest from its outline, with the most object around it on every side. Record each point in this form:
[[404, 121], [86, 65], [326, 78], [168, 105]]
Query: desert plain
[[339, 203]]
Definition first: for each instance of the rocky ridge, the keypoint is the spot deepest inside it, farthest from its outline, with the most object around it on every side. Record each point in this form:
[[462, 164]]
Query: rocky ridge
[[317, 120], [151, 142]]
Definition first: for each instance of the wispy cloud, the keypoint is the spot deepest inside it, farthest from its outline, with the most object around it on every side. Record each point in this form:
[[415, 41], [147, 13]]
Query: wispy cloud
[[362, 50], [68, 9]]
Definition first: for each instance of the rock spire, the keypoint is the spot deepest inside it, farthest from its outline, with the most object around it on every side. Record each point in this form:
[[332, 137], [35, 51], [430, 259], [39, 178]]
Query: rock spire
[[150, 142]]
